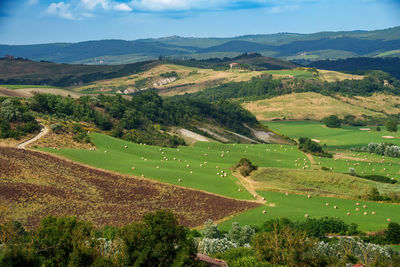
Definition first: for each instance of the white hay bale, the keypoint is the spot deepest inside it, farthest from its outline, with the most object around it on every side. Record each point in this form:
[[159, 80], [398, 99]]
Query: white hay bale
[[357, 204], [388, 219], [335, 207], [364, 206], [239, 190], [126, 146], [286, 194], [191, 172], [264, 211], [348, 214], [179, 180], [308, 196], [187, 166], [357, 209], [306, 215], [327, 204], [365, 213], [263, 198], [105, 151], [373, 213], [157, 167]]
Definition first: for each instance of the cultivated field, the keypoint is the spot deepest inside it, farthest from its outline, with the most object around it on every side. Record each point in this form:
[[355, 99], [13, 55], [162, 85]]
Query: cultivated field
[[200, 166], [344, 138], [310, 105], [296, 206], [34, 185]]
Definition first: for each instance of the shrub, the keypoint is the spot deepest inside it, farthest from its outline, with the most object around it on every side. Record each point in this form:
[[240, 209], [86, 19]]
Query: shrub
[[215, 245], [332, 121], [245, 167], [391, 125], [240, 235], [392, 233], [309, 146]]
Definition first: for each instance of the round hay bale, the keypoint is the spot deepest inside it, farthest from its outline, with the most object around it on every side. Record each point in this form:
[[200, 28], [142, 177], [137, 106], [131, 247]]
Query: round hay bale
[[348, 214], [286, 194], [264, 211], [335, 207], [308, 196], [388, 219], [357, 204], [327, 204], [239, 190], [357, 209], [133, 168], [365, 213], [364, 206], [373, 213], [306, 215], [179, 180]]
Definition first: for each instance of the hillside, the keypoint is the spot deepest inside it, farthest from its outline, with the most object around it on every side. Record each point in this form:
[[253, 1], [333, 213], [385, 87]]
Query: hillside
[[315, 46], [312, 106], [34, 185], [361, 65], [21, 71]]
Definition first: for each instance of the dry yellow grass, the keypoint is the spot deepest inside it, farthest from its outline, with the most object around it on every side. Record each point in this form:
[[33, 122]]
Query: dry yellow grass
[[300, 106], [333, 76], [379, 102]]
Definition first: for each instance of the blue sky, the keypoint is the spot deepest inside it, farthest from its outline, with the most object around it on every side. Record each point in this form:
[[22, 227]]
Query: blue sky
[[46, 21]]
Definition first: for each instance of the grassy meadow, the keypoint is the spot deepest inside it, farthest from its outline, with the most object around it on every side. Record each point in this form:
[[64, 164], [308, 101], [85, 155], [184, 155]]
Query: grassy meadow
[[296, 206], [171, 164], [335, 138]]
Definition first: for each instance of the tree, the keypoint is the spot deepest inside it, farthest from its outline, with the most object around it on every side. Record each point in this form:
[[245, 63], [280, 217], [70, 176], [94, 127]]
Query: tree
[[332, 121], [392, 233], [391, 125]]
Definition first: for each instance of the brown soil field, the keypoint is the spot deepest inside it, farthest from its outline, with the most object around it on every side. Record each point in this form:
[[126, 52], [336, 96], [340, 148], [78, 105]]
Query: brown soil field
[[34, 185]]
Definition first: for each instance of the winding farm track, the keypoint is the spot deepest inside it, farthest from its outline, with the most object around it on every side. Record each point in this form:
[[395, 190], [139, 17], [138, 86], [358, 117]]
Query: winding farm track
[[249, 185], [42, 133]]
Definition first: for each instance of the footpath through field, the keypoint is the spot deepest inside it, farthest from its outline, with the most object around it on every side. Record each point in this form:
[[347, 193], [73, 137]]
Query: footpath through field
[[42, 133], [249, 185]]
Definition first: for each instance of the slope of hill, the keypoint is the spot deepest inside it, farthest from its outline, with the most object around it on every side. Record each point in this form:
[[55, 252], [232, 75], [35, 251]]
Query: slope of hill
[[321, 45], [312, 106], [21, 71], [34, 185], [361, 65]]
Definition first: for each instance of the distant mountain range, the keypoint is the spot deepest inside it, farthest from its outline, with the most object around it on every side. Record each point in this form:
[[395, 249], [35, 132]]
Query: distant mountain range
[[301, 48]]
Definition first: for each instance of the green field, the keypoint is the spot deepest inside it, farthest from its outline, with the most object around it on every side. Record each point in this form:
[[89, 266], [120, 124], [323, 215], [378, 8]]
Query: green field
[[296, 206], [345, 137], [204, 175]]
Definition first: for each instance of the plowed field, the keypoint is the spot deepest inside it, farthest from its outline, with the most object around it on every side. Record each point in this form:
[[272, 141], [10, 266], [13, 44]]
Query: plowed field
[[34, 184]]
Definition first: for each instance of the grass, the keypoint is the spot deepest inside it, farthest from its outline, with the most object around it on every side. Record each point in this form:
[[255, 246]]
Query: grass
[[335, 138], [203, 177], [295, 207], [318, 182], [300, 106]]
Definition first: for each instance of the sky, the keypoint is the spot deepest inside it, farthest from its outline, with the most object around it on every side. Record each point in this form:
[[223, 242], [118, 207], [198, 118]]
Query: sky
[[49, 21]]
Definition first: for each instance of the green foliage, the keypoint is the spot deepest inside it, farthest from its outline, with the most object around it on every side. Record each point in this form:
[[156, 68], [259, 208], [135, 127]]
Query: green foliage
[[170, 74], [391, 125], [240, 235], [332, 121], [309, 146], [157, 241], [245, 167], [210, 230], [392, 233]]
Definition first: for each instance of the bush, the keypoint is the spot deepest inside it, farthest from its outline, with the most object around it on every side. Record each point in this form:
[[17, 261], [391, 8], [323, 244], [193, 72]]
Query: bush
[[392, 233], [332, 121], [309, 146], [391, 125], [245, 167]]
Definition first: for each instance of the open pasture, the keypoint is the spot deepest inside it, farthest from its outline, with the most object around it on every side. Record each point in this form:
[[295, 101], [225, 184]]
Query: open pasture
[[295, 207], [345, 137], [202, 166], [364, 164]]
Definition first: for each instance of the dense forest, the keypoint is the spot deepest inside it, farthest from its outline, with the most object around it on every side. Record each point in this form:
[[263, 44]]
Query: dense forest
[[144, 118], [361, 65]]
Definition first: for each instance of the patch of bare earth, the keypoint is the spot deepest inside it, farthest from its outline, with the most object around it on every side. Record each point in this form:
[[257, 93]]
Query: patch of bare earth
[[34, 185]]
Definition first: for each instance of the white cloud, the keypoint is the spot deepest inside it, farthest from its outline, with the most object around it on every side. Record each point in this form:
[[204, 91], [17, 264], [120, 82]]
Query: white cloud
[[92, 4], [122, 7], [60, 9], [281, 9], [33, 2]]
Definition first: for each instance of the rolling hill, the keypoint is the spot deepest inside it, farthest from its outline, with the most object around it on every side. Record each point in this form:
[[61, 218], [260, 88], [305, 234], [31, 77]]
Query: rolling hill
[[316, 46]]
